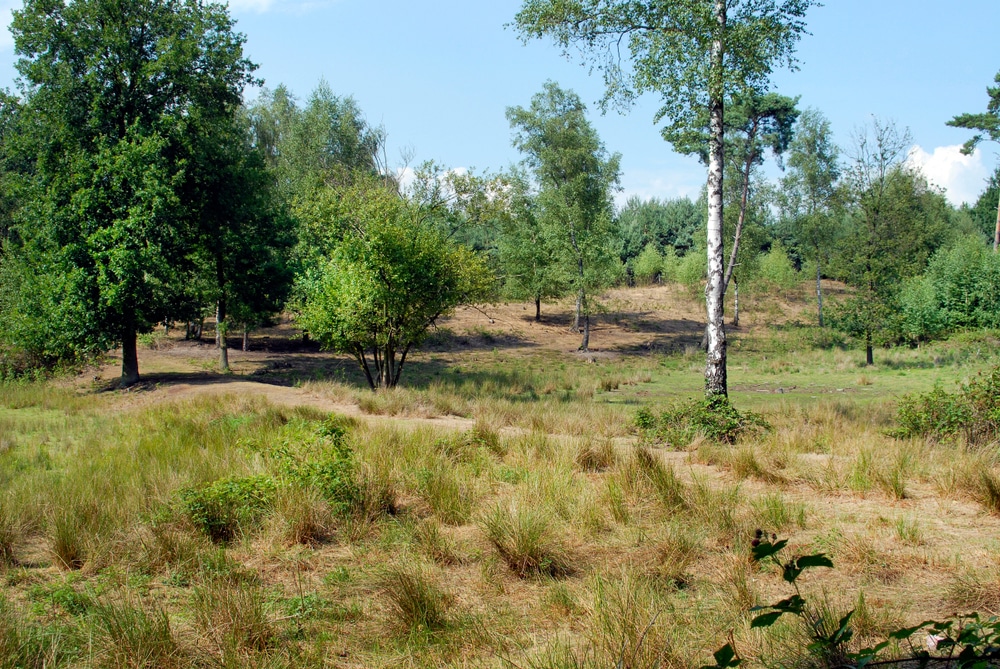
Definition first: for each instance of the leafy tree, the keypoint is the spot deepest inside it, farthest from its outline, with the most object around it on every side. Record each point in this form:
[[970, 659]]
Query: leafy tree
[[245, 233], [529, 252], [960, 289], [391, 277], [694, 53], [895, 224], [575, 177], [983, 212], [648, 265], [809, 193], [112, 89], [988, 127]]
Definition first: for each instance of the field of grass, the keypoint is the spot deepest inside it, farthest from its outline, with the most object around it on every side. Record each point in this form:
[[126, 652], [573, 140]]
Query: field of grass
[[499, 511]]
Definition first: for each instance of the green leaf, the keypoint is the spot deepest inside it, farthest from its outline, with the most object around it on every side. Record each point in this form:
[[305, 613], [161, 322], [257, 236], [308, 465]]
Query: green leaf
[[765, 549]]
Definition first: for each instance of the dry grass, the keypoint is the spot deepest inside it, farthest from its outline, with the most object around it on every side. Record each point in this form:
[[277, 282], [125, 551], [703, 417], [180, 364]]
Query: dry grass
[[499, 508]]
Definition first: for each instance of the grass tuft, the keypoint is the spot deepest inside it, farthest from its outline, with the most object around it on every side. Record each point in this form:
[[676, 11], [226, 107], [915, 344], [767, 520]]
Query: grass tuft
[[129, 637], [417, 603], [524, 538]]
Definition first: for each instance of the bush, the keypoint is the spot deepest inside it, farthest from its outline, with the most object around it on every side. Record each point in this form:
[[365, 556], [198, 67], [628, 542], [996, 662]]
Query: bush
[[226, 507], [971, 414], [775, 270], [648, 265], [713, 418]]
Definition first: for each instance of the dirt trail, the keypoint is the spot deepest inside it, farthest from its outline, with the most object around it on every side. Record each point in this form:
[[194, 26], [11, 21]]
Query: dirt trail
[[292, 397]]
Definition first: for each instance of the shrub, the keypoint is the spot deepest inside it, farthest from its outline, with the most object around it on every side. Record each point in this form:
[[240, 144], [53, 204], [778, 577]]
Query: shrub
[[972, 413], [713, 418], [775, 270], [226, 507], [648, 265]]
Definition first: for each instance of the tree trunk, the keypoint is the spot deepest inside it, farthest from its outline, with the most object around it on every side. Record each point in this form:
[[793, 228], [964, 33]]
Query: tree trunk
[[585, 344], [130, 358], [576, 314], [740, 219], [869, 350], [736, 303], [538, 310], [996, 233], [715, 365], [819, 292], [220, 335], [246, 338]]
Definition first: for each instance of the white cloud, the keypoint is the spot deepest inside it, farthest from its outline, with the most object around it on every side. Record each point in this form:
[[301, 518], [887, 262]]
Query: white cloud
[[962, 177]]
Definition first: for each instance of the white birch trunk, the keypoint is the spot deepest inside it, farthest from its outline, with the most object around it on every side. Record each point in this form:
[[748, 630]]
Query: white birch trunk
[[715, 366]]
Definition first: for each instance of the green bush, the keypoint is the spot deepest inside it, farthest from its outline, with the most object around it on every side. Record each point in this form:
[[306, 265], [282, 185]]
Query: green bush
[[648, 265], [971, 414], [775, 270], [960, 289], [691, 269], [226, 507], [713, 418]]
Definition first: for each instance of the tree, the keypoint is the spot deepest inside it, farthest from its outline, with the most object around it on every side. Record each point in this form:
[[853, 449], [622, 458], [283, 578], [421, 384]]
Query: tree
[[809, 192], [393, 275], [694, 53], [660, 222], [528, 253], [245, 233], [895, 224], [113, 89], [574, 176], [988, 127]]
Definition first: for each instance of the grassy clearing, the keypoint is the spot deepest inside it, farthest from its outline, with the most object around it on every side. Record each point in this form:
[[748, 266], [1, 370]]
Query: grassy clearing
[[499, 512]]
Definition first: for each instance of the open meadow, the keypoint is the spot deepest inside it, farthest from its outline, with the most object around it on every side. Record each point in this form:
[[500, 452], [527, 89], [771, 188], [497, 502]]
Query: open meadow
[[500, 509]]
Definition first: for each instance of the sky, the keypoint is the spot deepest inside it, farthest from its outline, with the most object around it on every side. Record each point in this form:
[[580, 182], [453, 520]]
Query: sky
[[439, 75]]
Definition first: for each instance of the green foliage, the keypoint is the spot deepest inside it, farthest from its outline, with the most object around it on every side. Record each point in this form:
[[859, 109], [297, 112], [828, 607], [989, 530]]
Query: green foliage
[[775, 271], [649, 265], [574, 176], [391, 277], [960, 289], [971, 414], [229, 506], [713, 418], [109, 215], [963, 642], [663, 223], [896, 224]]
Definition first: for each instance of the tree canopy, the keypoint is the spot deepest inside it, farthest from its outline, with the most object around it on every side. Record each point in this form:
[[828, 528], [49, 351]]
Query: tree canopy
[[116, 92]]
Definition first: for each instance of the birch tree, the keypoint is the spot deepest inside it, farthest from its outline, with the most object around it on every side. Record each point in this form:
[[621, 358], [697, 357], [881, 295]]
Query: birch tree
[[692, 53], [574, 176]]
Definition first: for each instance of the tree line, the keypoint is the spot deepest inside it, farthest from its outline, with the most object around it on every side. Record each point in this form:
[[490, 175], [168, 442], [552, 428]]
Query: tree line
[[140, 189]]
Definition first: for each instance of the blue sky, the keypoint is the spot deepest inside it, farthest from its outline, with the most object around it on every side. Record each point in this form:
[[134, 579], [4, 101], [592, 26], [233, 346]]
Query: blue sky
[[439, 76]]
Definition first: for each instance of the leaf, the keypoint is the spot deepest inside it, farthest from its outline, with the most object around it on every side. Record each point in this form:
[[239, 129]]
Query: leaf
[[766, 549]]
